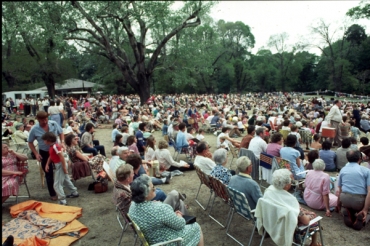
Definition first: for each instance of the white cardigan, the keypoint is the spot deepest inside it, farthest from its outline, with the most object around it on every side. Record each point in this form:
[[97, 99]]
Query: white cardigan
[[277, 212]]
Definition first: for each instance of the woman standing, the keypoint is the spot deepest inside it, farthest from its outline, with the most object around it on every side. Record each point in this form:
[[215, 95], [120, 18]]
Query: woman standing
[[9, 172]]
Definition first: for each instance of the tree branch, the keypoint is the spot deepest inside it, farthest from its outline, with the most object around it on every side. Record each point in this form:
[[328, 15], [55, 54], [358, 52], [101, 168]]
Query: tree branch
[[183, 25]]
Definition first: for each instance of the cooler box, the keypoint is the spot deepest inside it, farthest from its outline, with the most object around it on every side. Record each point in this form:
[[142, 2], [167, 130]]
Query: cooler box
[[328, 132]]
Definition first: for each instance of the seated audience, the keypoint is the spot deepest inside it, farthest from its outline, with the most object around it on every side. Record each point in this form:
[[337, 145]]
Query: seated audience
[[244, 183], [311, 156], [316, 142], [341, 153], [354, 191], [87, 141], [167, 224], [202, 159], [294, 215], [220, 171], [251, 130], [317, 192], [276, 144], [166, 162], [9, 172], [328, 156], [257, 144], [292, 155]]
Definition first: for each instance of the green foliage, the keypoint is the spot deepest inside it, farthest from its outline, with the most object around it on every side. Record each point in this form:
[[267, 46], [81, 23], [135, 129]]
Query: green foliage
[[147, 47], [361, 11]]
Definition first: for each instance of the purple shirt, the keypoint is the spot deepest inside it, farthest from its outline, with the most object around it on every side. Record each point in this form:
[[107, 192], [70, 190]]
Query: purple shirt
[[273, 149]]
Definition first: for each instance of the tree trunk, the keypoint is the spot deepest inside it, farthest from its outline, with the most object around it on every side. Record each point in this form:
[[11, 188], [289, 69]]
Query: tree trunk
[[10, 79], [50, 84], [121, 85], [144, 91]]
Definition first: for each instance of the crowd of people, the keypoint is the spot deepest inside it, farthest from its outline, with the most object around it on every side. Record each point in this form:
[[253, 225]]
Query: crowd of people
[[278, 124]]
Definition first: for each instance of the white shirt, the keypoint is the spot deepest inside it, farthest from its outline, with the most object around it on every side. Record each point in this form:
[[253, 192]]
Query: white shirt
[[257, 145], [204, 163], [334, 114], [226, 143]]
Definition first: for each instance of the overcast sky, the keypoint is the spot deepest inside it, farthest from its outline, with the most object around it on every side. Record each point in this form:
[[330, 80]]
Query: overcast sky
[[293, 17]]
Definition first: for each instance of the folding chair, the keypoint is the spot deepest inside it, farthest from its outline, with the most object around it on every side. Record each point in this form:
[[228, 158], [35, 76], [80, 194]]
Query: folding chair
[[22, 167], [266, 162], [143, 240], [234, 153], [23, 146], [220, 191], [182, 151], [240, 206], [302, 233], [204, 179], [282, 163], [256, 173], [124, 225]]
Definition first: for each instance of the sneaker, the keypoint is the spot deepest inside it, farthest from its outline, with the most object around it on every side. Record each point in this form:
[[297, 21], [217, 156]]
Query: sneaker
[[347, 217], [62, 202], [73, 195]]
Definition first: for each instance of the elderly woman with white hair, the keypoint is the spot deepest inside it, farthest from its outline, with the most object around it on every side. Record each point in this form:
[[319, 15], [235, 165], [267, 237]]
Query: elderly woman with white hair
[[158, 221], [220, 171], [317, 192], [288, 206]]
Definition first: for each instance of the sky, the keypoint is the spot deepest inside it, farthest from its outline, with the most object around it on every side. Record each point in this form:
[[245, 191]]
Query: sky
[[293, 17]]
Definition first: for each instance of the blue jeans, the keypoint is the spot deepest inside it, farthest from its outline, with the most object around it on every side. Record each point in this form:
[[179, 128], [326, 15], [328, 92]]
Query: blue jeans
[[155, 181], [159, 195]]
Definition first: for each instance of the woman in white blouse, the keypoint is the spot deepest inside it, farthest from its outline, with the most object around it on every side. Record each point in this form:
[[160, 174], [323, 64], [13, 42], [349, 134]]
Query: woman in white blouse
[[166, 162], [149, 150]]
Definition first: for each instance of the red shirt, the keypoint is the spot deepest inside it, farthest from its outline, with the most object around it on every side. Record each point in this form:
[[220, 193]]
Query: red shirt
[[54, 150]]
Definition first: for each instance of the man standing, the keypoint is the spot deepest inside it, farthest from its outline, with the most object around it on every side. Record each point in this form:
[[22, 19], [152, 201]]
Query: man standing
[[334, 118], [244, 183], [354, 191], [36, 133]]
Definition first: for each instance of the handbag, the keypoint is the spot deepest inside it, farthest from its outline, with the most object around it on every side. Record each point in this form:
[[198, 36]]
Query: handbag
[[101, 186], [191, 121]]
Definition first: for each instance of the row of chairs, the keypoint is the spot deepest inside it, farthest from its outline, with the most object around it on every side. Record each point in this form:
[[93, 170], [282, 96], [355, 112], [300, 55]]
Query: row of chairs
[[239, 204]]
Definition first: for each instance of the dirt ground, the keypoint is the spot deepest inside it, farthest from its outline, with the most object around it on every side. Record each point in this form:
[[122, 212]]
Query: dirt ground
[[99, 213]]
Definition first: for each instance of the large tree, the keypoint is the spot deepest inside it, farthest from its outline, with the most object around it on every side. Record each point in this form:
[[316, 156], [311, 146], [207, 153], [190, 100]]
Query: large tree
[[109, 25]]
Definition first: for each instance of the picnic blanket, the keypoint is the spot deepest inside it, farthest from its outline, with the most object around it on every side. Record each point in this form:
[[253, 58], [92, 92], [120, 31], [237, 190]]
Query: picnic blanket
[[43, 223]]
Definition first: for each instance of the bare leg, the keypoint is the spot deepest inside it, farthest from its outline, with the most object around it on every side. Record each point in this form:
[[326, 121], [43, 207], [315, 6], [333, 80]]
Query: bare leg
[[201, 241], [314, 240]]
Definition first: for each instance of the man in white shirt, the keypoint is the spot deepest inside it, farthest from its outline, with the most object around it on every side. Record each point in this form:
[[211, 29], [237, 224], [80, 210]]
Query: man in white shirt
[[201, 161], [335, 118], [257, 144]]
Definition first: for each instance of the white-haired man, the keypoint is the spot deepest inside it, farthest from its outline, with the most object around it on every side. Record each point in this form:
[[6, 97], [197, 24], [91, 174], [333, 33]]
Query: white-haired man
[[244, 183]]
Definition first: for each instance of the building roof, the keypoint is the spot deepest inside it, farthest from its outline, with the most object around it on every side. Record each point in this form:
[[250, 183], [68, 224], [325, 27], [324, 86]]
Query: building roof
[[73, 84]]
